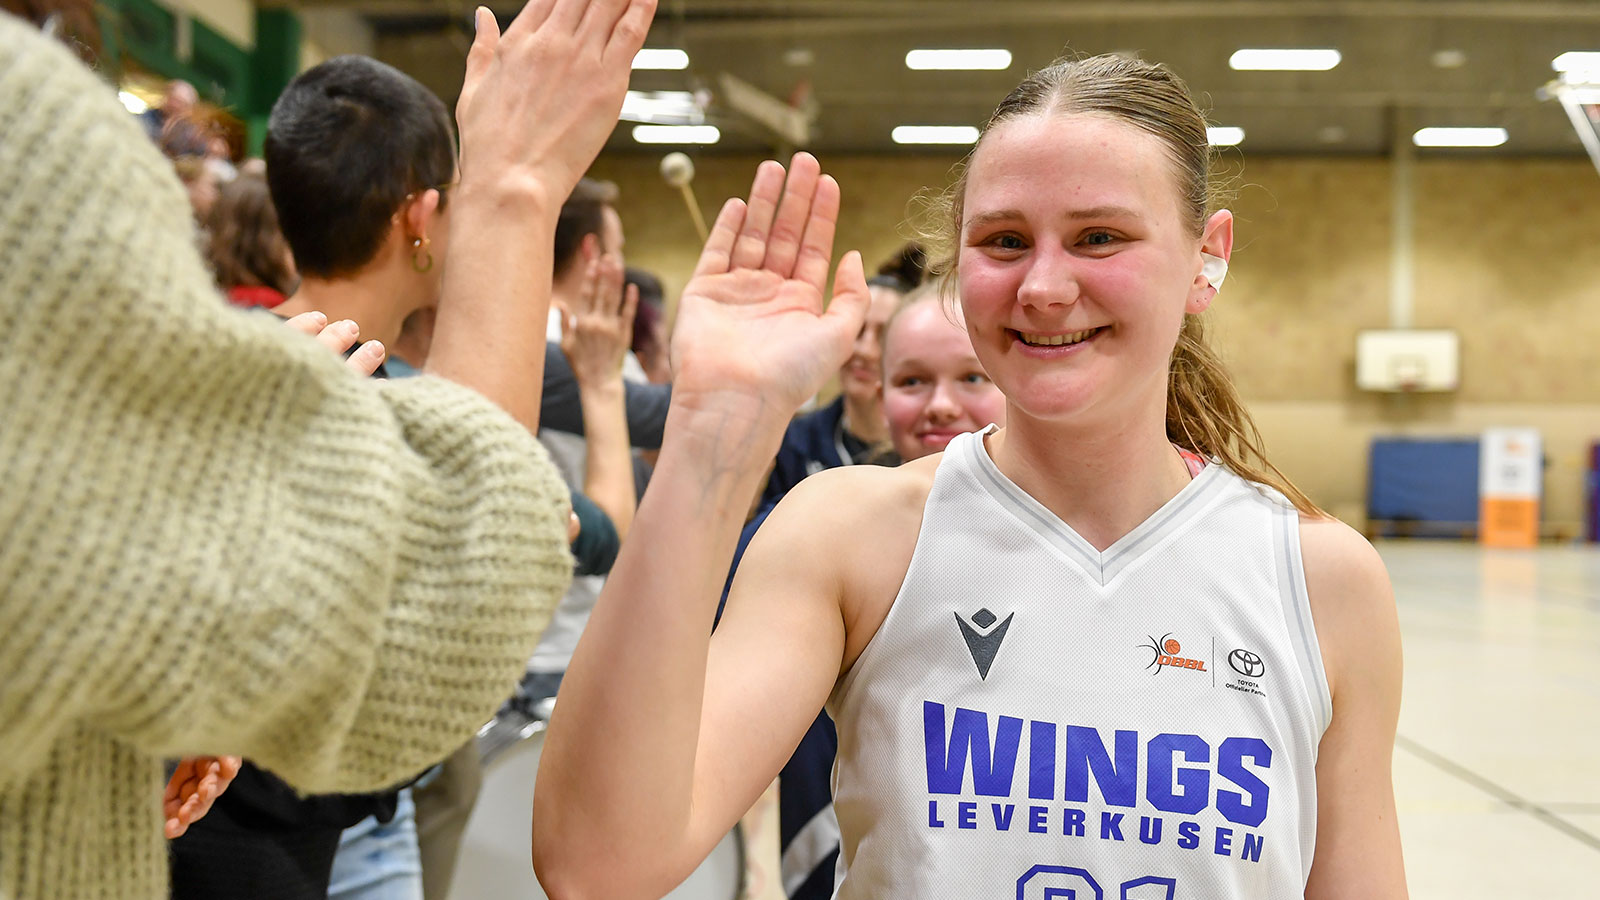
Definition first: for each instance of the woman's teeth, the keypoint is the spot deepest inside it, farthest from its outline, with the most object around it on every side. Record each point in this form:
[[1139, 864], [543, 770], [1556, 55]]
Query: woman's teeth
[[1045, 340]]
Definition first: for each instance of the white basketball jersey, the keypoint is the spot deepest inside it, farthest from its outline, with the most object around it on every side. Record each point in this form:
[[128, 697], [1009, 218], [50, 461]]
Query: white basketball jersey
[[1039, 719]]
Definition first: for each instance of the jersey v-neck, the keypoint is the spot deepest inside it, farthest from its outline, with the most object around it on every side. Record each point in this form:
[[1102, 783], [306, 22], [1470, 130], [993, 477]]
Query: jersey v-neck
[[1100, 565]]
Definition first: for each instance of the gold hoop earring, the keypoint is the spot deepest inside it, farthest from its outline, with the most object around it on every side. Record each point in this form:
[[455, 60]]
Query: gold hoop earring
[[425, 262]]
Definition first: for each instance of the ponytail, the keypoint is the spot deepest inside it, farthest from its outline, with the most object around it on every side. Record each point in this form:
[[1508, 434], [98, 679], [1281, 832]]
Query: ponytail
[[1205, 415]]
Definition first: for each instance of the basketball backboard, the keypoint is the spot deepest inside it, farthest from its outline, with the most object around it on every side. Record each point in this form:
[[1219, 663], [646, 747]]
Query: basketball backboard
[[1405, 360], [1578, 89]]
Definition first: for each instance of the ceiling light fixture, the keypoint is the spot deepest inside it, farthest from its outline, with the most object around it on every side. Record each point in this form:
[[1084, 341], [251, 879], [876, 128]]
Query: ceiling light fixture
[[661, 59], [1284, 60], [662, 108], [1460, 137], [959, 60], [935, 134], [1224, 135], [676, 134]]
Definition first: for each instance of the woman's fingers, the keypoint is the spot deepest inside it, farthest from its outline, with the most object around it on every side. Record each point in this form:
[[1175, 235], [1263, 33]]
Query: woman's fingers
[[339, 336], [717, 256], [783, 246], [589, 287], [610, 298], [308, 323], [630, 305], [367, 358], [750, 250], [851, 298], [481, 56], [628, 35], [815, 254]]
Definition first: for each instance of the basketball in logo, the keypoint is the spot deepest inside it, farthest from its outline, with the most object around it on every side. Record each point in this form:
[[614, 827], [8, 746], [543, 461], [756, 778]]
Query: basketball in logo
[[1171, 647], [1246, 663]]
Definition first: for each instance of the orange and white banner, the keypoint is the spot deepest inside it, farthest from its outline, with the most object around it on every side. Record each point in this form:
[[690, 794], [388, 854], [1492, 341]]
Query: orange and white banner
[[1510, 479]]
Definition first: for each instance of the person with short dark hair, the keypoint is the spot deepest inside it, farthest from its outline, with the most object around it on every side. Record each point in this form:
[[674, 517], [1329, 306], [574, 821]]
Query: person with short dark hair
[[361, 161]]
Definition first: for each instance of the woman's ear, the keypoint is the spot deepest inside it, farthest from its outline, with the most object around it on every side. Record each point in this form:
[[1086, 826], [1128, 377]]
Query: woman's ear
[[1216, 249], [419, 216]]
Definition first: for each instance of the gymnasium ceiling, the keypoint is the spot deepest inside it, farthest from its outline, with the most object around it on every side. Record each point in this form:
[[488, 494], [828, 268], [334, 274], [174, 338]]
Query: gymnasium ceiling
[[1406, 63]]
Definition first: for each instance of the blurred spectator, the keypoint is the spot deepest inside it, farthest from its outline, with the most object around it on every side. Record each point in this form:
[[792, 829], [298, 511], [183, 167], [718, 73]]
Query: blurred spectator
[[200, 180], [178, 102], [247, 252], [650, 327]]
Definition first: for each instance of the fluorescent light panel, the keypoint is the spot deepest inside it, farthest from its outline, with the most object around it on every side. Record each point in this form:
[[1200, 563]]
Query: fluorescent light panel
[[959, 60], [1224, 136], [661, 108], [676, 134], [1284, 60], [661, 58], [1460, 137], [935, 134]]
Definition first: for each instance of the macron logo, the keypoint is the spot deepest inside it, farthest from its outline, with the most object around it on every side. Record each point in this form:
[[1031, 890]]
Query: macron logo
[[983, 638]]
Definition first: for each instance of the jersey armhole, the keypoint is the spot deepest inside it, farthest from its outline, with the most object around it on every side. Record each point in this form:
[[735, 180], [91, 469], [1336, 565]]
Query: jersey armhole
[[1296, 601]]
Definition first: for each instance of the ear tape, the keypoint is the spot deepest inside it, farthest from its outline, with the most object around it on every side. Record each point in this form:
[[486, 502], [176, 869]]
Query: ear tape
[[1215, 269]]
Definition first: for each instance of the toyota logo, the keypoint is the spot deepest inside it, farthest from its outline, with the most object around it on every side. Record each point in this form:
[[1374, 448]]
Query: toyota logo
[[1246, 663]]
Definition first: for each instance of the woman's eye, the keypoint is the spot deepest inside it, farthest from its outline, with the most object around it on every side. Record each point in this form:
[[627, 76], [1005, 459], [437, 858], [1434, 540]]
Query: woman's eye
[[909, 381], [1007, 242], [1098, 238], [975, 378]]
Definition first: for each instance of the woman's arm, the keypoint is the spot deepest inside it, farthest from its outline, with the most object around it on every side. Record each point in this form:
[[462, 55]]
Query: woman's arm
[[245, 548], [1358, 839], [536, 105], [594, 337], [641, 753]]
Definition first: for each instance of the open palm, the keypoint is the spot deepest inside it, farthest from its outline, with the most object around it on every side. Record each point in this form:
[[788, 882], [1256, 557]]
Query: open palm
[[752, 319]]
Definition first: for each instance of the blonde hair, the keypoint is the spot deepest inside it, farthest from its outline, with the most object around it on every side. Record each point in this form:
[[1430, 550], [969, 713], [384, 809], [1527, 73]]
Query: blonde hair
[[1204, 411]]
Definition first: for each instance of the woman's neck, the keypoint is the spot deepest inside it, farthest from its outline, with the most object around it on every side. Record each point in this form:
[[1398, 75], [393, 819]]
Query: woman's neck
[[1103, 480], [375, 303], [864, 419]]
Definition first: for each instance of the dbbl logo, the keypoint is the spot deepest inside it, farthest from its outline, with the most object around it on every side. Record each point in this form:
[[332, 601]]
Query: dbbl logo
[[1066, 883]]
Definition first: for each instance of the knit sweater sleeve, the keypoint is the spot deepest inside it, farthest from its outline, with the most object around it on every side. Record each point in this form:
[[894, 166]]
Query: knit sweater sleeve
[[215, 538]]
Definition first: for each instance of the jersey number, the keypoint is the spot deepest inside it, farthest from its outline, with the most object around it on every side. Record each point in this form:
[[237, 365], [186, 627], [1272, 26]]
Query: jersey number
[[1065, 883]]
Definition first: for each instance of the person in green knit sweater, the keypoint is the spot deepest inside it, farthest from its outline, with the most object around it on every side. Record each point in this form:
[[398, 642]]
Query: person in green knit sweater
[[167, 587]]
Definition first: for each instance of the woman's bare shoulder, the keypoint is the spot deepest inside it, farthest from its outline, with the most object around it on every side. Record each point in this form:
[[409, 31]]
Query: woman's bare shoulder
[[1352, 602]]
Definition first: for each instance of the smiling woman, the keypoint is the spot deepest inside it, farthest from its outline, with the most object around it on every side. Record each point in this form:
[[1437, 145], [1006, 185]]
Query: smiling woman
[[1018, 750], [1203, 409]]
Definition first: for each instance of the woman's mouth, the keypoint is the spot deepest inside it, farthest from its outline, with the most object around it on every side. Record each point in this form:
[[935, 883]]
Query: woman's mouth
[[1054, 344], [937, 439]]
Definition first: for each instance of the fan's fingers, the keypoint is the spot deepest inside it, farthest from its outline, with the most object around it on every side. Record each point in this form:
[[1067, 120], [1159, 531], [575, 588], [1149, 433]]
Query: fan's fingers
[[717, 256], [790, 224], [750, 251], [628, 35], [816, 248]]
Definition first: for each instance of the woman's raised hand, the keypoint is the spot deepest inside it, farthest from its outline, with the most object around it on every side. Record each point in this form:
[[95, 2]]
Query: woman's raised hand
[[751, 323], [539, 100]]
